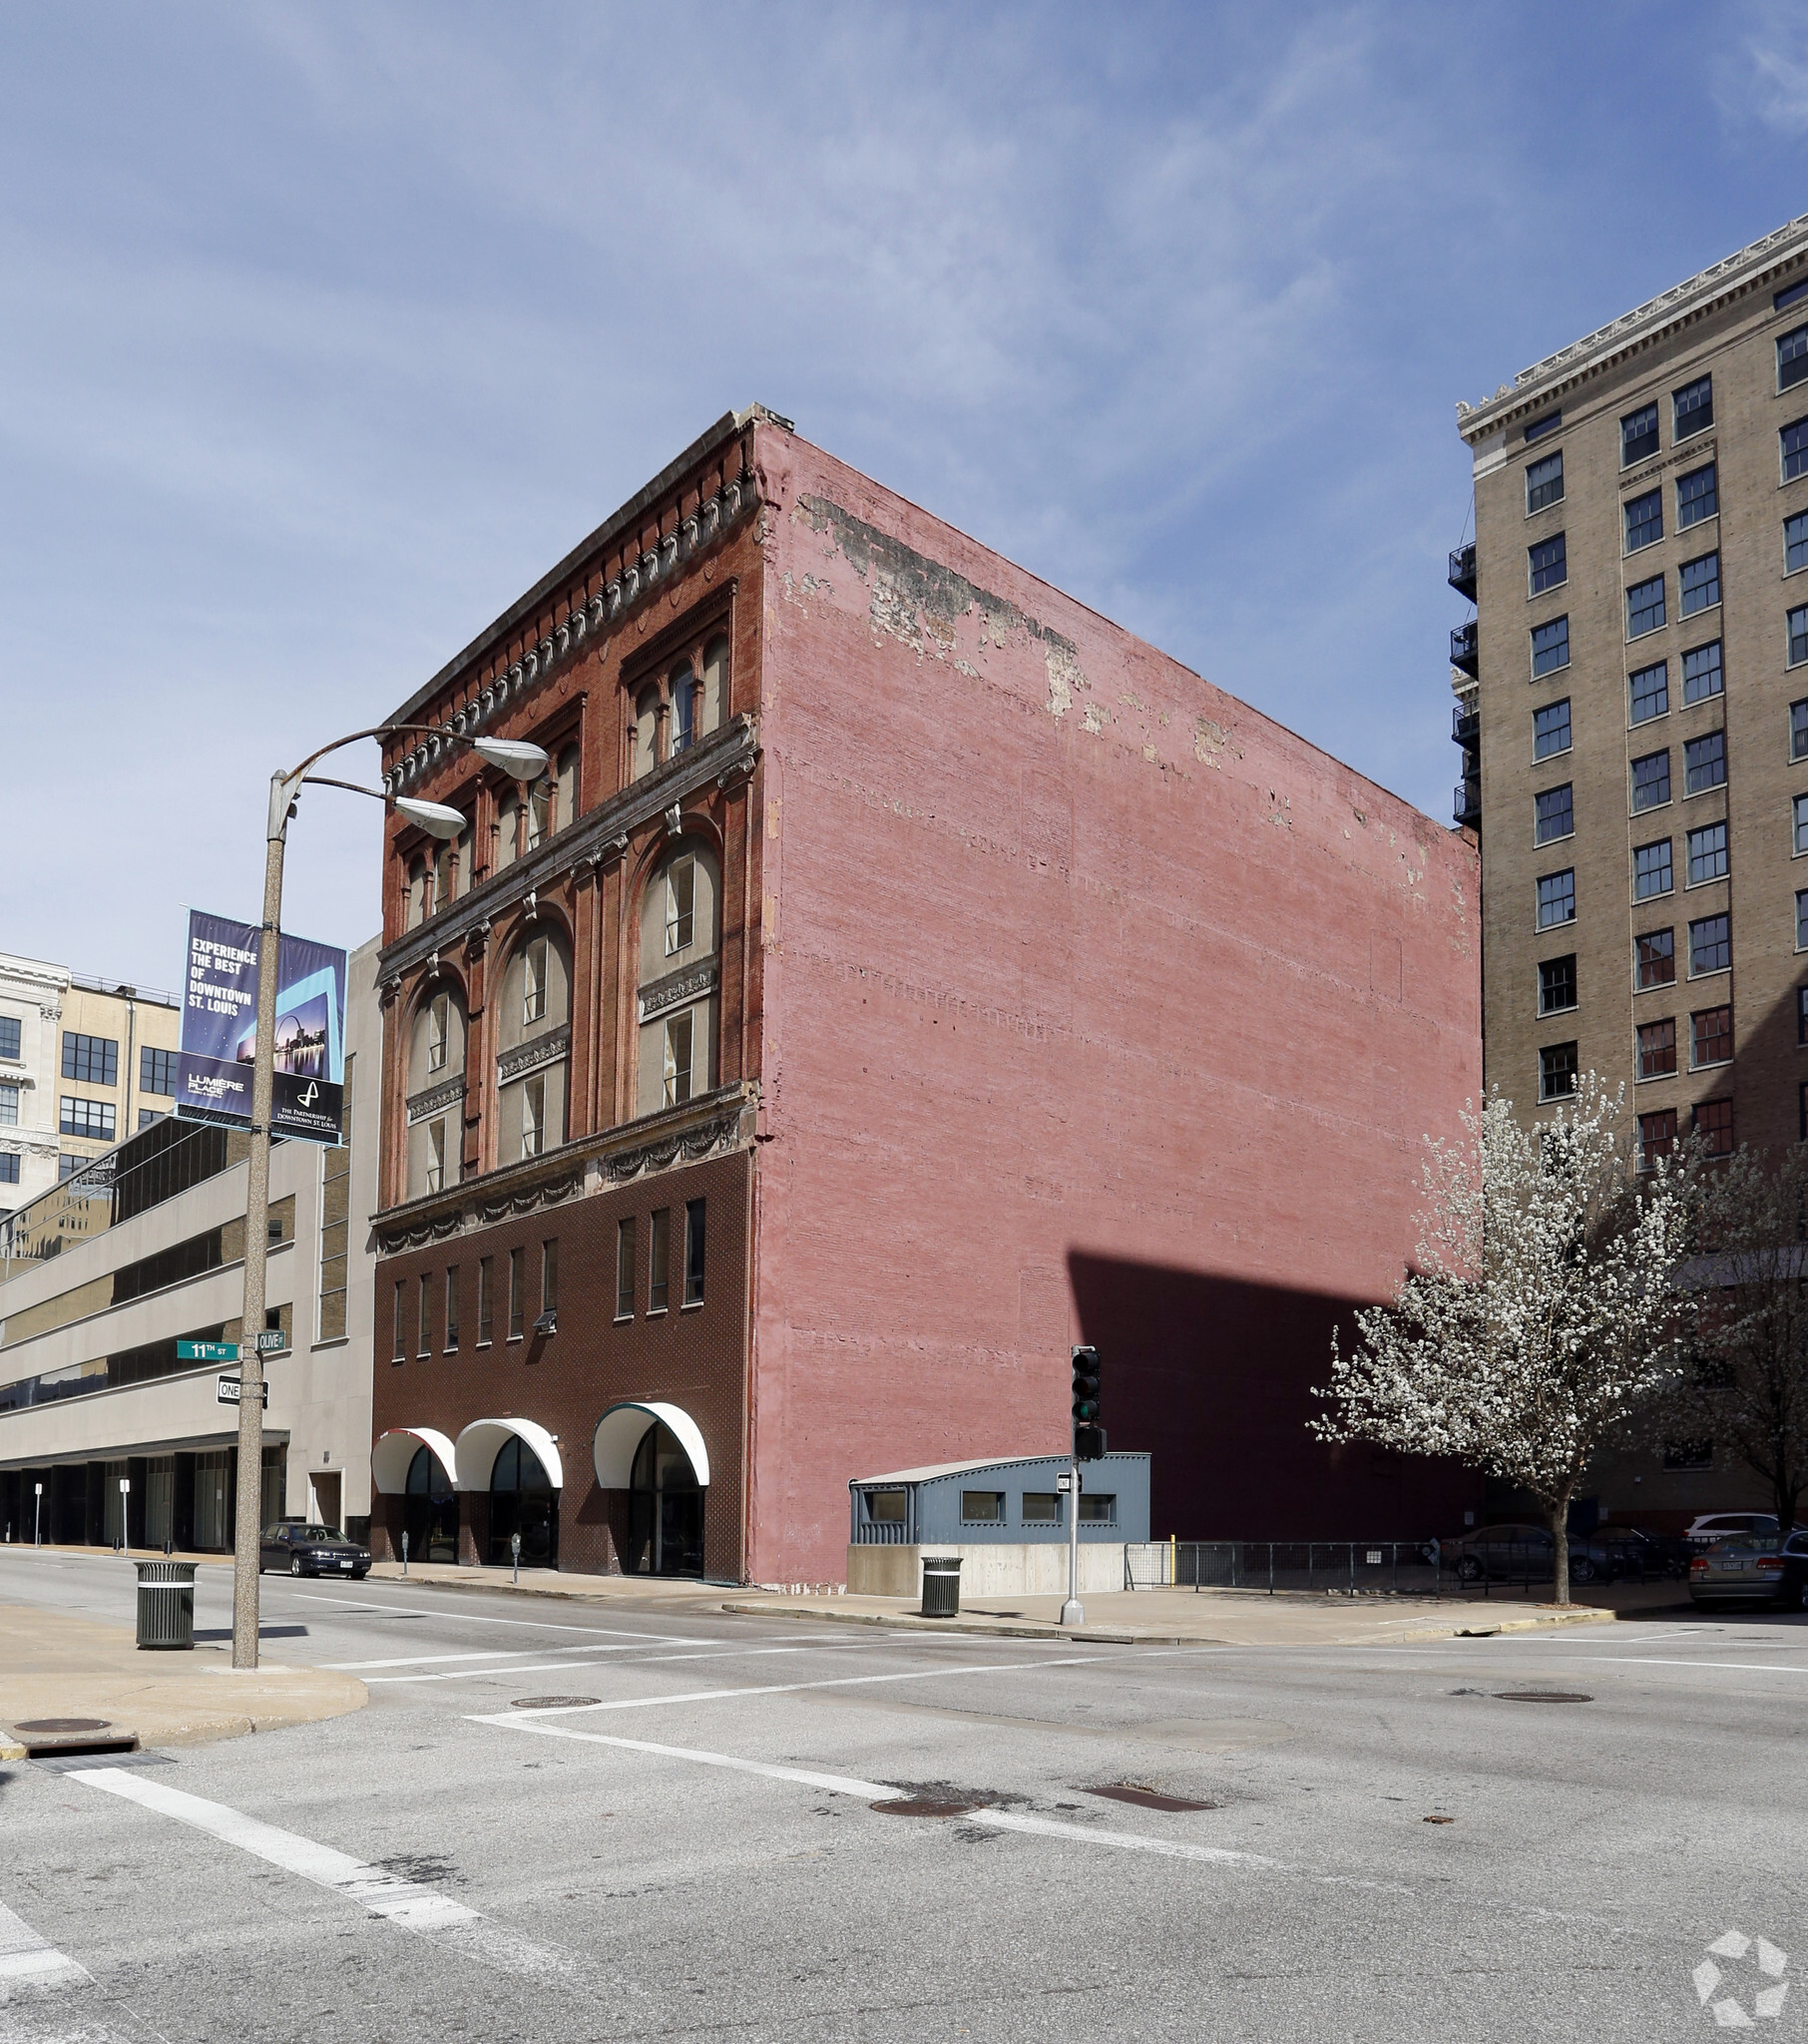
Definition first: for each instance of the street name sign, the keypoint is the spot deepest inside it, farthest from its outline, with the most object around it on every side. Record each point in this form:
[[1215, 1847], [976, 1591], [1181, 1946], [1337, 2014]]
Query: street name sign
[[272, 1343], [207, 1352]]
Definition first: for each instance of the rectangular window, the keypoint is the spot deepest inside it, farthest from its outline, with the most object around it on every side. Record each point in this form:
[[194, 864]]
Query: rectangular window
[[9, 1106], [660, 1263], [1041, 1508], [679, 1036], [1792, 358], [1557, 1071], [398, 1347], [1713, 1124], [1099, 1508], [1650, 691], [1707, 853], [424, 1346], [9, 1038], [66, 1167], [9, 1167], [1550, 646], [436, 1156], [532, 1116], [1655, 959], [1792, 294], [1703, 677], [1704, 762], [1557, 898], [1554, 814], [1656, 1137], [1713, 1039], [1556, 984], [1638, 435], [694, 1252], [452, 1311], [1798, 729], [1645, 607], [1544, 483], [1652, 869], [1697, 497], [1548, 424], [1694, 404], [983, 1507], [533, 982], [1795, 449], [1795, 543], [549, 1275], [680, 906], [517, 1295], [1801, 1015], [1701, 584], [156, 1071], [1798, 635], [1657, 1049], [1550, 728], [486, 1302], [1801, 921], [94, 1060], [625, 1269], [1650, 781], [1645, 520], [92, 1119], [1710, 945], [438, 1014], [1801, 823], [1548, 564]]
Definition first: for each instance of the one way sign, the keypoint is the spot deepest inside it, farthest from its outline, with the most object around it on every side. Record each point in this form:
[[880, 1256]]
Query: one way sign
[[226, 1391]]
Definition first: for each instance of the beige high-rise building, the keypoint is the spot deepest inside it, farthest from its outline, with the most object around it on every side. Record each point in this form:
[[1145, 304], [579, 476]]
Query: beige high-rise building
[[1634, 706]]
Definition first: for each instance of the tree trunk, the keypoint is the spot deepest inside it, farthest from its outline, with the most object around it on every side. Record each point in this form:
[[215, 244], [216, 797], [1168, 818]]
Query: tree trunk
[[1559, 1533]]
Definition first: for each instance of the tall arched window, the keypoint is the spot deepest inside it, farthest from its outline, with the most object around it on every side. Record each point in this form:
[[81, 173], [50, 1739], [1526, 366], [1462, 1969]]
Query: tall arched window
[[430, 1515], [666, 1508], [533, 1046], [436, 1058], [678, 999], [521, 1500]]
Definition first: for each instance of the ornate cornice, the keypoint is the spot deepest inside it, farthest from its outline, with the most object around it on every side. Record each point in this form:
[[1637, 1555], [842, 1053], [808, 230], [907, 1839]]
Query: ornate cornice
[[1728, 278], [676, 988], [599, 830], [617, 601], [422, 1106], [530, 1056], [687, 1145]]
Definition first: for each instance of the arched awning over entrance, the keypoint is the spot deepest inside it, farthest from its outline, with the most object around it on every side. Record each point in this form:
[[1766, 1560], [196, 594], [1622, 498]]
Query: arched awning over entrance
[[394, 1451], [479, 1442], [619, 1433]]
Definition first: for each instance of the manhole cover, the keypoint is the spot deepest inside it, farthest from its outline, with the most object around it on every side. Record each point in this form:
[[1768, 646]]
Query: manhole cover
[[1148, 1798], [1541, 1696], [65, 1725], [923, 1806], [551, 1703]]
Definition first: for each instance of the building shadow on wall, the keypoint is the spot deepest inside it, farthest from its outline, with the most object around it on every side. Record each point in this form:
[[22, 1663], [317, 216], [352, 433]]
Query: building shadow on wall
[[1213, 1377]]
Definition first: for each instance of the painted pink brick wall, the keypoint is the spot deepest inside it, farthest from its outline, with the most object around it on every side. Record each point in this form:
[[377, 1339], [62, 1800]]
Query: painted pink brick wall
[[1094, 1002]]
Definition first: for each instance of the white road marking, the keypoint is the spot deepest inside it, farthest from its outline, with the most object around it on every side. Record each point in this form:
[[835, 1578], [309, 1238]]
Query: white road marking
[[494, 1653], [404, 1902], [29, 1964], [1651, 1661], [560, 1667], [452, 1613]]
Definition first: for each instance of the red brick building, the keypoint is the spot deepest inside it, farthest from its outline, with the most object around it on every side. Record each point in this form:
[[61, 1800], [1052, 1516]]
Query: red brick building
[[901, 975]]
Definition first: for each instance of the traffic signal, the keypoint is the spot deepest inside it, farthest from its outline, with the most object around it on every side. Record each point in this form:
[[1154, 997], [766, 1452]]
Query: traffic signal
[[1088, 1435]]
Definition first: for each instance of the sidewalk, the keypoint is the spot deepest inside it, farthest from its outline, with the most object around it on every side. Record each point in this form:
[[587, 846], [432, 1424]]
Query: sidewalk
[[53, 1665]]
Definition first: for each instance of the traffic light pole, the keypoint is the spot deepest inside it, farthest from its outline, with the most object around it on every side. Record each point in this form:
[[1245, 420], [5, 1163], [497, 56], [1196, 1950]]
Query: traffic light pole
[[1072, 1612]]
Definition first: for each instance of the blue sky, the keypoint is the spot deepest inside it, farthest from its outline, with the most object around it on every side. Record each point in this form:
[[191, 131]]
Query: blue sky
[[326, 329]]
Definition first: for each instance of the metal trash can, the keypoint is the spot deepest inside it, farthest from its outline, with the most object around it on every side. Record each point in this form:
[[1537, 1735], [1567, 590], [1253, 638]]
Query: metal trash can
[[940, 1586], [165, 1603]]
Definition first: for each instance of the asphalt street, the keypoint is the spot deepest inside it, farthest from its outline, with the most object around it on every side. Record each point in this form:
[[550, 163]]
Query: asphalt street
[[561, 1821]]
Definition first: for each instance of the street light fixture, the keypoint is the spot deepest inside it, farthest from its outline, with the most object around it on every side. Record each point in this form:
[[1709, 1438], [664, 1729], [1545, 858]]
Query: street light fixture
[[521, 761]]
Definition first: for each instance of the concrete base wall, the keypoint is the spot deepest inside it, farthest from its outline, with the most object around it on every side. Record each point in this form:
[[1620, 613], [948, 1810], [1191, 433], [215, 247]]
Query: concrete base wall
[[1002, 1569]]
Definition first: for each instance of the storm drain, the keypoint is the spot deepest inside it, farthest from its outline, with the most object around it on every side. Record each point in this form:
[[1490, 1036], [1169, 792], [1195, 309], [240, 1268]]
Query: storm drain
[[1148, 1798], [1541, 1696], [552, 1703], [42, 1735], [81, 1763]]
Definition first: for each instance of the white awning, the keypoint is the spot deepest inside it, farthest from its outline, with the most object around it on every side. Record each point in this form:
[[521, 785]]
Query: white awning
[[394, 1452], [623, 1427], [481, 1443]]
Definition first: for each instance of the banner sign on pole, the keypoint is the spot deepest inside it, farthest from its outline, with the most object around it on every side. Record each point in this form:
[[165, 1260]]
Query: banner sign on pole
[[220, 1031]]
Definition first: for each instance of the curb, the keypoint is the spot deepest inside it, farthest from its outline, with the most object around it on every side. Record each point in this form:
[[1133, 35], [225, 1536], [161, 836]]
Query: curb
[[525, 1589]]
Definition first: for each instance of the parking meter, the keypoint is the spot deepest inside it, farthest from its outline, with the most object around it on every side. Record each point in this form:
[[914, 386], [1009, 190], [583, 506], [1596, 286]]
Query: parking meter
[[404, 1553], [515, 1550]]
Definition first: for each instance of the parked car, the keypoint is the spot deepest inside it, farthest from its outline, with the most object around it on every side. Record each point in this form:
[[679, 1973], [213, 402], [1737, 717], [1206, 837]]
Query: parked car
[[1752, 1568], [1517, 1552], [1618, 1553], [1710, 1528], [307, 1550]]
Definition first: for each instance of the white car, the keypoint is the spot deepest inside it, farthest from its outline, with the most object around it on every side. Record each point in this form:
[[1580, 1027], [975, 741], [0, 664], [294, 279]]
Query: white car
[[1715, 1526]]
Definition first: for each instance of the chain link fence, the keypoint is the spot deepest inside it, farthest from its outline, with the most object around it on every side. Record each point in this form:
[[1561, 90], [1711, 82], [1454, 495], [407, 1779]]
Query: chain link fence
[[1381, 1568]]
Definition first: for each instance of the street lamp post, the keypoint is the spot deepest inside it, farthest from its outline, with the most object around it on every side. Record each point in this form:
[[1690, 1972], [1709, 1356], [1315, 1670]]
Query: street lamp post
[[524, 763]]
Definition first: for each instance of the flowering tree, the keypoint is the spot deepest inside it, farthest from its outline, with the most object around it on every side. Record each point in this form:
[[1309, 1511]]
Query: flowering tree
[[1541, 1316]]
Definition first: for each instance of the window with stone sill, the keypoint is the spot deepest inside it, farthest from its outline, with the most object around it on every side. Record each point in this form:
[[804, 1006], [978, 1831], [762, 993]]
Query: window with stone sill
[[1712, 1037], [1557, 1071], [1695, 408], [1710, 944], [1557, 984], [1704, 762], [1656, 1137], [1648, 692], [1703, 674], [1714, 1125], [1655, 959], [1697, 497], [534, 982], [1650, 781], [1792, 358], [1638, 435], [1707, 855], [1643, 520], [1657, 1049], [437, 1032]]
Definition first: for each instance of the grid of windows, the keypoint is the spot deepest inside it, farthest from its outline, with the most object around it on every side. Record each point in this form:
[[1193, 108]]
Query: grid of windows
[[1550, 728], [1794, 440], [1556, 813], [93, 1060], [92, 1119], [1701, 584], [1645, 607], [9, 1033], [1551, 645], [1707, 853], [1714, 1125], [1557, 898], [1656, 1137], [1710, 945], [1544, 483], [1703, 674], [1652, 869], [1657, 1049], [1645, 520], [1792, 358], [1697, 497], [1714, 1041], [156, 1071], [1650, 691], [1638, 434], [1704, 762], [1556, 984], [1650, 781], [1655, 959], [1549, 564], [1694, 404]]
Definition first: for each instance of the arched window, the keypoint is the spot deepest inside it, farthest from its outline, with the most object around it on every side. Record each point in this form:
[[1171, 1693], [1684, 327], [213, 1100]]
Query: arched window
[[679, 1002], [666, 1509], [521, 1500], [715, 685], [535, 1047], [430, 1515], [644, 734], [436, 1056]]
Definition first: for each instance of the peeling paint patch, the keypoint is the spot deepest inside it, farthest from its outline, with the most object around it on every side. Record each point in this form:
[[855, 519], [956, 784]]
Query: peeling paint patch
[[1209, 740], [1065, 676], [1150, 754], [1093, 719]]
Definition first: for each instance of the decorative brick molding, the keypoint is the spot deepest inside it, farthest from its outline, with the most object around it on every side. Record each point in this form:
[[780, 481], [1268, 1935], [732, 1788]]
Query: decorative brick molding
[[530, 1056], [676, 989], [423, 1106]]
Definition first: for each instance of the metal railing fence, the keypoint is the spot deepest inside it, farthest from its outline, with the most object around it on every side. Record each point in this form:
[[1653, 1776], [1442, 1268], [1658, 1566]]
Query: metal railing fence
[[1379, 1568]]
